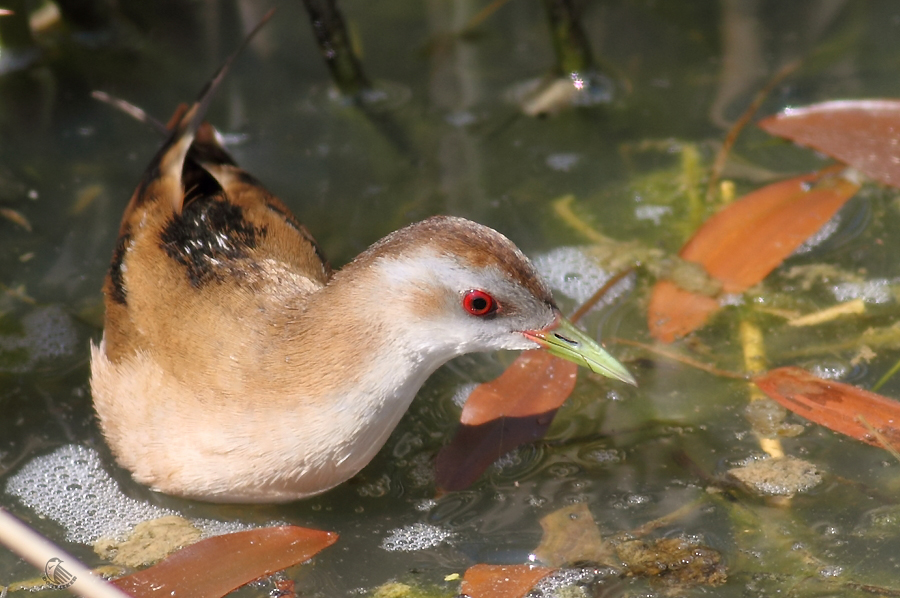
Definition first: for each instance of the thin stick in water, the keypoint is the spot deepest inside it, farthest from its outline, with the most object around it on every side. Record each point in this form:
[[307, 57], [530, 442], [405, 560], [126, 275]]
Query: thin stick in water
[[63, 569]]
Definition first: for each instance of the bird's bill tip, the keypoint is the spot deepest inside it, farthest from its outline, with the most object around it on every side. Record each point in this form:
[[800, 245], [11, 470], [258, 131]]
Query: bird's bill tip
[[562, 339]]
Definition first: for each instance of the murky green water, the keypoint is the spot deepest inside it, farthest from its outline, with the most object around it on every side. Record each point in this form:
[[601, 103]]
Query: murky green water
[[448, 140]]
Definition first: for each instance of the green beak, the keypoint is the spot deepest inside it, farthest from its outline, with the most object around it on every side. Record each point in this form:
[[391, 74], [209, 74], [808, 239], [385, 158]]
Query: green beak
[[563, 340]]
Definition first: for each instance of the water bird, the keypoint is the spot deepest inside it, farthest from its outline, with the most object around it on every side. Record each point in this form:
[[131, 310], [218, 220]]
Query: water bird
[[236, 366]]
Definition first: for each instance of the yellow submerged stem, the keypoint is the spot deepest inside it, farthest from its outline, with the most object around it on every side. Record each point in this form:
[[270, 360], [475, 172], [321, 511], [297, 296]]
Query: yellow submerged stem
[[754, 348]]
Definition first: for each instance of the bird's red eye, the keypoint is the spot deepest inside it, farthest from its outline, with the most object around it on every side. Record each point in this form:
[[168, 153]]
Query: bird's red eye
[[479, 303]]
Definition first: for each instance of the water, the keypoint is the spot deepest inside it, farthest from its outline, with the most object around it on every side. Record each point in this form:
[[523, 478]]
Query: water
[[446, 139]]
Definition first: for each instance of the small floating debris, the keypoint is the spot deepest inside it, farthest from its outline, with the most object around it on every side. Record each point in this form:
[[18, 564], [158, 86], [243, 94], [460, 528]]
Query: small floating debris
[[777, 477]]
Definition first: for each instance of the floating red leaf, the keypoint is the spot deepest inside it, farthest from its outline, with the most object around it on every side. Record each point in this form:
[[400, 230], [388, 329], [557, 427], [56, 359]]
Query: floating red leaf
[[741, 244], [214, 567], [502, 581], [837, 406], [500, 415], [534, 383], [861, 133]]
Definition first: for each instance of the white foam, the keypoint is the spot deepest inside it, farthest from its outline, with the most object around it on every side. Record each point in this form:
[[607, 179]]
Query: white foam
[[569, 582], [652, 212], [605, 456], [70, 487], [418, 536], [48, 333], [830, 370], [563, 162], [877, 290], [828, 229], [572, 273]]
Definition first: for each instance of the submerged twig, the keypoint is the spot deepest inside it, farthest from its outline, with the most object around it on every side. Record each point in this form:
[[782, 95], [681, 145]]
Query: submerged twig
[[718, 166], [131, 110], [563, 208], [334, 42], [872, 589], [883, 380], [848, 308], [681, 359], [347, 73], [482, 15], [573, 54], [598, 295], [667, 519], [41, 552]]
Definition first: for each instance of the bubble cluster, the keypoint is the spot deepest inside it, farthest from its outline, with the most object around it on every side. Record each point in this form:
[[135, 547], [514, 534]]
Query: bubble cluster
[[563, 162], [605, 456], [572, 273], [48, 332], [421, 471], [822, 235], [871, 291], [70, 487], [652, 212], [831, 571], [213, 527], [418, 536], [570, 582]]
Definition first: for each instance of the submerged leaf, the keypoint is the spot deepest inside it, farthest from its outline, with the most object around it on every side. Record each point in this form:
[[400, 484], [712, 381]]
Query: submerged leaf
[[571, 535], [502, 581], [674, 312], [500, 415], [840, 407], [534, 383], [213, 567], [861, 133], [741, 244]]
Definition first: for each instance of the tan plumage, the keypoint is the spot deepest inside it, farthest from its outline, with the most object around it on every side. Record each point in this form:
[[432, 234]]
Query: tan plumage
[[235, 366]]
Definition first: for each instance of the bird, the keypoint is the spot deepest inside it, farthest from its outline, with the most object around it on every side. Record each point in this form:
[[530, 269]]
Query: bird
[[236, 366]]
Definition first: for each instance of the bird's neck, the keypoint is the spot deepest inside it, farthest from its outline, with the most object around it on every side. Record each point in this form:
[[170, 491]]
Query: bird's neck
[[346, 370], [345, 345]]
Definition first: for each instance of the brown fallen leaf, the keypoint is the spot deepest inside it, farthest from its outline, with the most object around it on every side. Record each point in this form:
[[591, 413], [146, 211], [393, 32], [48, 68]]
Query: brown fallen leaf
[[839, 407], [502, 581], [16, 218], [498, 416], [861, 133], [744, 242], [213, 567], [571, 535]]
